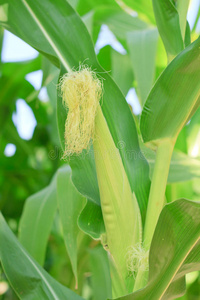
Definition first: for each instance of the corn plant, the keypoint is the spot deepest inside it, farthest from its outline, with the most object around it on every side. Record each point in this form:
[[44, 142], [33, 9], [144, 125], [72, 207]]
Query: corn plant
[[116, 200]]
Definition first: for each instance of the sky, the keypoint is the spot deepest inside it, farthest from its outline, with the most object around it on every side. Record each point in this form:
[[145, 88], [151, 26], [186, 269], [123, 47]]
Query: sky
[[14, 49]]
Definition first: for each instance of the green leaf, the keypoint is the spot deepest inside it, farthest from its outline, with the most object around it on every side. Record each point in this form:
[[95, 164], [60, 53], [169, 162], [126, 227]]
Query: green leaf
[[118, 21], [175, 290], [56, 32], [70, 204], [193, 132], [142, 46], [119, 67], [16, 71], [122, 72], [143, 8], [181, 189], [13, 85], [26, 276], [101, 281], [181, 142], [182, 8], [104, 57], [88, 21], [91, 220], [39, 212], [73, 3], [174, 97], [194, 27], [187, 40], [1, 40], [84, 175], [193, 291], [167, 20], [182, 167], [174, 251], [84, 6]]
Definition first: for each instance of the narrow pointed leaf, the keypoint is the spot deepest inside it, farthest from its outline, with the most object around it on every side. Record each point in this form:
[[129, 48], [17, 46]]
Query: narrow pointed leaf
[[84, 175], [187, 40], [167, 20], [142, 46], [85, 179], [174, 97], [122, 71], [118, 21], [70, 204], [1, 40], [38, 213], [29, 280], [182, 167], [143, 8], [182, 8], [101, 281], [119, 65]]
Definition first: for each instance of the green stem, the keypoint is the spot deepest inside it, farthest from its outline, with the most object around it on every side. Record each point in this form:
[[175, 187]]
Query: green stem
[[157, 191], [156, 202]]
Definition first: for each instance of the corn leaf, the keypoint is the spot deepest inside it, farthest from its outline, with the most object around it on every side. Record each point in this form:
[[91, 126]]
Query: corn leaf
[[26, 276], [187, 40], [70, 204], [119, 66], [182, 8], [39, 212], [85, 179], [167, 20], [143, 8], [182, 166], [91, 220], [118, 21], [122, 72], [142, 46], [169, 261], [1, 40], [174, 97], [101, 280]]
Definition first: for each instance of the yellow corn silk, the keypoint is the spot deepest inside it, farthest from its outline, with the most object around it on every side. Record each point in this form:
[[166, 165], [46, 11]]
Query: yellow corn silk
[[81, 92]]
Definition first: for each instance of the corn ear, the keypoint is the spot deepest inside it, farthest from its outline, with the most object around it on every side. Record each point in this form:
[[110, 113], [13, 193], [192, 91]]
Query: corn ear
[[119, 206], [81, 92]]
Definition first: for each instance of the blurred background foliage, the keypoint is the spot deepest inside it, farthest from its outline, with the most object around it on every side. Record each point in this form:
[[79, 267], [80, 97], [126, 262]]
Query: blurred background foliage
[[129, 48]]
